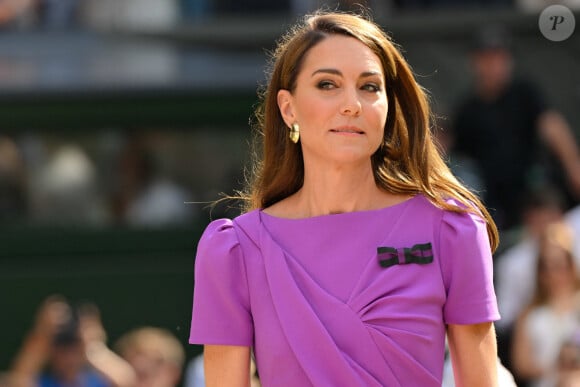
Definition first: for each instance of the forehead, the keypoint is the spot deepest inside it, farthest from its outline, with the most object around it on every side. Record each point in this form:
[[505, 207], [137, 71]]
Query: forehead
[[342, 53]]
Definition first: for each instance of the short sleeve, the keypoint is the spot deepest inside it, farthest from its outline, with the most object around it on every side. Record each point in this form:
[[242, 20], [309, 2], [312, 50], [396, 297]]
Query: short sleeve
[[221, 308], [467, 266]]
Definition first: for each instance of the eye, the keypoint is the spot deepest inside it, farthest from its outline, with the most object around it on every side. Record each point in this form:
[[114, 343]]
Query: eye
[[372, 87], [326, 85]]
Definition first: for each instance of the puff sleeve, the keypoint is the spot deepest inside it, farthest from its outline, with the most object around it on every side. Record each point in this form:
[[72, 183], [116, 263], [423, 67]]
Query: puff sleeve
[[221, 308], [467, 268]]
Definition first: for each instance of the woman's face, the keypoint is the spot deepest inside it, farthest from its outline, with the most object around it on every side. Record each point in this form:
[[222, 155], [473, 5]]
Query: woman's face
[[339, 102], [555, 270]]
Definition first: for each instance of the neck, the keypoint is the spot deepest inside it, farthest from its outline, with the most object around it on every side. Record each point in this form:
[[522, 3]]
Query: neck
[[339, 189]]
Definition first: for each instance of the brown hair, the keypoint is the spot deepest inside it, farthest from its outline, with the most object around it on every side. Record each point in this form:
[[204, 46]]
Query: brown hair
[[407, 162], [555, 234]]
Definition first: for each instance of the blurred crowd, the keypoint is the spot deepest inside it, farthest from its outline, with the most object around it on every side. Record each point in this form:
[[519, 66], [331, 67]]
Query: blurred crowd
[[67, 346], [113, 179], [512, 146], [160, 14]]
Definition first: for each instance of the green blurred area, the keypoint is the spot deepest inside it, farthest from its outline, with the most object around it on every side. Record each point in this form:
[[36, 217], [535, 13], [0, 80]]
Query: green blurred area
[[130, 109]]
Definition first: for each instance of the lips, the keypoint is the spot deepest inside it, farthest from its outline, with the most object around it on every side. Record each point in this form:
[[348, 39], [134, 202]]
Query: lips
[[348, 130]]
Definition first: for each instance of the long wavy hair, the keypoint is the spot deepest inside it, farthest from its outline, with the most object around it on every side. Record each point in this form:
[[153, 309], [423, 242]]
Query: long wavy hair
[[407, 162], [560, 235]]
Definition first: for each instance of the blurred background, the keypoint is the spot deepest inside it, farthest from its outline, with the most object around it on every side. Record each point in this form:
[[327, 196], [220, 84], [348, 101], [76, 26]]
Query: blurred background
[[121, 119]]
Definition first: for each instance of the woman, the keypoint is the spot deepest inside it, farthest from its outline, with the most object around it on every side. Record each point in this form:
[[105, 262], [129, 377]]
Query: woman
[[359, 250], [552, 318]]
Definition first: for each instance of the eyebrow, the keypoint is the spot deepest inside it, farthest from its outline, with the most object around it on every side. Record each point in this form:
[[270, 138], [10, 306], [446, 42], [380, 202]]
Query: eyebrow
[[364, 74]]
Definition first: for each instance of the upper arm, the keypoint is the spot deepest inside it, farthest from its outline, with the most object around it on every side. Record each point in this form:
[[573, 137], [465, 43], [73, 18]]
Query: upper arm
[[473, 351], [226, 366]]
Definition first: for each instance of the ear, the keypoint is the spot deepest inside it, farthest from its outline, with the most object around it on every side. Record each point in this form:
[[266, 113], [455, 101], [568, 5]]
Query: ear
[[285, 104]]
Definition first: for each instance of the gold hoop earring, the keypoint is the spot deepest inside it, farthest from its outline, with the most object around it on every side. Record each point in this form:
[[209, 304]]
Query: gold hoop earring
[[294, 133]]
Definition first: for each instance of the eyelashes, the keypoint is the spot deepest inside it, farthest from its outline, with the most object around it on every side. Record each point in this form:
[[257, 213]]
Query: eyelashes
[[326, 85], [330, 85], [372, 87]]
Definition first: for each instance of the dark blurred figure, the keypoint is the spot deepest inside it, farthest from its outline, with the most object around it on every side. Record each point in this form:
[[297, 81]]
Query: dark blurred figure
[[13, 202], [379, 8], [252, 7], [58, 14], [464, 168], [505, 125], [51, 14], [155, 354], [415, 4], [66, 348], [196, 9], [146, 195], [17, 13]]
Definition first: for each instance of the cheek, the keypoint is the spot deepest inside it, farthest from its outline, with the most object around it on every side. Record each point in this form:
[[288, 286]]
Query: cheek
[[379, 116], [312, 109]]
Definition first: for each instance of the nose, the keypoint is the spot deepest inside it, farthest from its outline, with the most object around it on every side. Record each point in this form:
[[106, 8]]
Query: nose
[[351, 105]]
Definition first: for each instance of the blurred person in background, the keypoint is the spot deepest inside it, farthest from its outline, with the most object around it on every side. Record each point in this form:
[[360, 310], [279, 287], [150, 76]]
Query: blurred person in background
[[52, 14], [464, 168], [129, 15], [145, 195], [572, 217], [64, 190], [505, 125], [58, 14], [15, 13], [552, 317], [155, 354], [515, 267], [67, 348], [196, 9], [13, 192], [568, 368]]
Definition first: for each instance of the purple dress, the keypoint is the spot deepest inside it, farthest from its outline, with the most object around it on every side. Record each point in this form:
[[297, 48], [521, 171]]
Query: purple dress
[[352, 299]]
